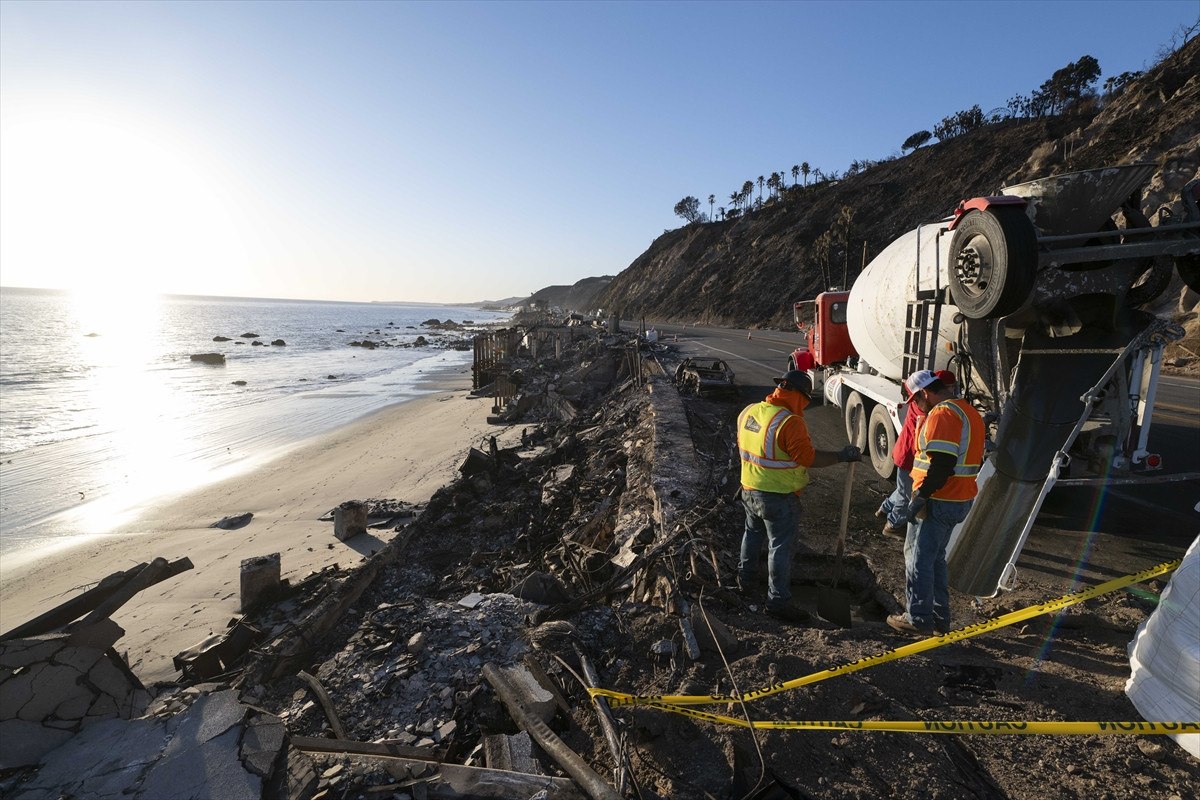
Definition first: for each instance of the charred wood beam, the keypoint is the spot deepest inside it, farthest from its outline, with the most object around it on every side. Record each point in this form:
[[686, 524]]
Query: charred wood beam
[[624, 770], [326, 704], [592, 784], [156, 571], [74, 608]]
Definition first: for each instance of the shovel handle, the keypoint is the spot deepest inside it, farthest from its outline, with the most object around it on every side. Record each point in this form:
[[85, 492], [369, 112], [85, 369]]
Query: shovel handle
[[845, 523]]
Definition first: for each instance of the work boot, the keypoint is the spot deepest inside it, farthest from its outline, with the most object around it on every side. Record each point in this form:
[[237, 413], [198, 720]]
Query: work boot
[[901, 623], [789, 613], [880, 513], [941, 627], [891, 530]]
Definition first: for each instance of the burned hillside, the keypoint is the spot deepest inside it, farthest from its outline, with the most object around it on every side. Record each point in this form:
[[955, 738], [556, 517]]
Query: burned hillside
[[747, 272]]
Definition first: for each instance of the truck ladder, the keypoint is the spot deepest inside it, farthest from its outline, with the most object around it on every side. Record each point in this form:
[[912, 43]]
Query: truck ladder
[[921, 323]]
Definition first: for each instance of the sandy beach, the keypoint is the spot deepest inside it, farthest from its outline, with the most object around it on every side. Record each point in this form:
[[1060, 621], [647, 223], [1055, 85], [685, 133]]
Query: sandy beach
[[403, 452]]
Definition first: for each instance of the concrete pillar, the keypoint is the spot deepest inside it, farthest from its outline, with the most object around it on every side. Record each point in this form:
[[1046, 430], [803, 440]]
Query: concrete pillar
[[349, 520], [260, 579]]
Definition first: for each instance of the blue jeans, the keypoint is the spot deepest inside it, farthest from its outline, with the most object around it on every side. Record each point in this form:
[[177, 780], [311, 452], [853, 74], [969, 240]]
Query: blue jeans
[[773, 516], [895, 505], [927, 587]]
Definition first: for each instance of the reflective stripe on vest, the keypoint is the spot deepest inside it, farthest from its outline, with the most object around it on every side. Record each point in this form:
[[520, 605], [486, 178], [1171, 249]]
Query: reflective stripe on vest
[[765, 465], [961, 485]]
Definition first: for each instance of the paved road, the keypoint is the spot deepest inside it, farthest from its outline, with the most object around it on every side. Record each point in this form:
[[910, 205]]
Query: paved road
[[1081, 530]]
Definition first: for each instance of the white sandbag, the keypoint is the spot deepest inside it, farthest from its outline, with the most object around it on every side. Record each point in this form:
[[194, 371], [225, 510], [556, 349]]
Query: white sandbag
[[1164, 655]]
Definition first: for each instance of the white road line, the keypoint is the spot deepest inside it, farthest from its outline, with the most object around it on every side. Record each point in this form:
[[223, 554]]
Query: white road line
[[773, 350], [739, 358]]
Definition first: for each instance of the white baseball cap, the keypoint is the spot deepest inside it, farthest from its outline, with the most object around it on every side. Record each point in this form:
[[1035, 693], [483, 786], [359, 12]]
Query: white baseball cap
[[918, 381]]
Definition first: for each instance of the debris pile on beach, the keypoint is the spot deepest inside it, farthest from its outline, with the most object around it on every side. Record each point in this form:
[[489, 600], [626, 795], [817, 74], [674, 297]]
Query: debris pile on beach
[[599, 551]]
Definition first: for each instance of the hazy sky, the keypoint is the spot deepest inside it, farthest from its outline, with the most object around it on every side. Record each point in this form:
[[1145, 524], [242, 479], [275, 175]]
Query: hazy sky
[[465, 151]]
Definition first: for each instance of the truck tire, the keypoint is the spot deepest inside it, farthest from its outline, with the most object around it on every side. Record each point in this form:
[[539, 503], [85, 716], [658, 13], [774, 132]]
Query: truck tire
[[855, 412], [881, 438], [993, 261]]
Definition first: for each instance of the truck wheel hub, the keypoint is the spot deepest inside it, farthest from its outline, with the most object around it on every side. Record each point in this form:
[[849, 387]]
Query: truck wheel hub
[[973, 266]]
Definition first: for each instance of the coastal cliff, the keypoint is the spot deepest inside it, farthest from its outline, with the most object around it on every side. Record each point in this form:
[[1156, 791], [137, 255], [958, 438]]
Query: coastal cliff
[[747, 272]]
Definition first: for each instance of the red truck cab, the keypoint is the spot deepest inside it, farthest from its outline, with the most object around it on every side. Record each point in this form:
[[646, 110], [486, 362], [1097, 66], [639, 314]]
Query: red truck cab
[[823, 322]]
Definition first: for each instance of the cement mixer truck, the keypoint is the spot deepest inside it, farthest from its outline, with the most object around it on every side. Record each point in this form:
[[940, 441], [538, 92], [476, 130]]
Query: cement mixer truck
[[1031, 297]]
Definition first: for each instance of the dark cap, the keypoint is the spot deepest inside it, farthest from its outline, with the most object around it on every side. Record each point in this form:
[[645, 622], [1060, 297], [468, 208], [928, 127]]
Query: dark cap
[[795, 379]]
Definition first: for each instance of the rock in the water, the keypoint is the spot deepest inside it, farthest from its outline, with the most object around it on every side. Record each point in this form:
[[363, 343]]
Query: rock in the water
[[249, 335], [420, 342], [239, 383], [209, 358], [278, 343], [220, 338], [257, 343]]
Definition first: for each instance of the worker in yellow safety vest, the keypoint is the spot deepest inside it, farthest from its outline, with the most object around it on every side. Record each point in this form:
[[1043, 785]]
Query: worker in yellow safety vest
[[776, 454], [950, 446]]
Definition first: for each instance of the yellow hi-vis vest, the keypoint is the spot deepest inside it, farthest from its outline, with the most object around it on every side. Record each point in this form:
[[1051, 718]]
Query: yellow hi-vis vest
[[765, 465]]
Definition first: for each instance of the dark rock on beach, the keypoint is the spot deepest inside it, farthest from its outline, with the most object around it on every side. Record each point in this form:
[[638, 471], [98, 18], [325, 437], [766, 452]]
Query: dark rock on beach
[[209, 358], [234, 522]]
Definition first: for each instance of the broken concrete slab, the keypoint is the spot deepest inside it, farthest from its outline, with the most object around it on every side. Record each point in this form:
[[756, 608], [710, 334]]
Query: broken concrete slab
[[538, 699], [69, 688], [218, 747]]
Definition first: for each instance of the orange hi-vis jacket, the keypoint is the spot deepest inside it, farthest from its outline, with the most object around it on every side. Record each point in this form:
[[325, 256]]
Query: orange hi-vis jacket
[[953, 427], [774, 444]]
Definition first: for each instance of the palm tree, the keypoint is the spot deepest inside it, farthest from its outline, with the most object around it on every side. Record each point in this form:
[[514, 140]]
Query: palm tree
[[805, 169], [721, 211], [712, 198], [795, 174], [760, 185], [735, 199]]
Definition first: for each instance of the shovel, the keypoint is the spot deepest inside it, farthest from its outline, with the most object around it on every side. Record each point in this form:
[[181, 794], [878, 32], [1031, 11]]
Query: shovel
[[833, 604]]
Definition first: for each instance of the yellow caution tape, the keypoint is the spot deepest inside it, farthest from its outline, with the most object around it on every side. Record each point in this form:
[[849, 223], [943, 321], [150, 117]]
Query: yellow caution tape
[[943, 726], [673, 701]]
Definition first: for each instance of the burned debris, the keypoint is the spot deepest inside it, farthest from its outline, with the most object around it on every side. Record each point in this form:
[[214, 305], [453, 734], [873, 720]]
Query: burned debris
[[595, 551]]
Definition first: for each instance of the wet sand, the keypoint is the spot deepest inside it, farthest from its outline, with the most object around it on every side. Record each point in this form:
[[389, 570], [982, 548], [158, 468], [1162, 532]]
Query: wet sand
[[403, 452]]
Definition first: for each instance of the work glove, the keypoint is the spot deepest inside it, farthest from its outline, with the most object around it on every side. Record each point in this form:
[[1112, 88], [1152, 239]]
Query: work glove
[[849, 453], [917, 510]]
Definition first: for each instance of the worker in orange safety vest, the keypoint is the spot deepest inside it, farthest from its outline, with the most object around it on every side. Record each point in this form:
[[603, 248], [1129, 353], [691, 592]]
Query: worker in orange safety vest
[[950, 448]]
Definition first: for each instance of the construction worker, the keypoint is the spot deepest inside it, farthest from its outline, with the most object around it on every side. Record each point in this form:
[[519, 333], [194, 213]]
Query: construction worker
[[950, 446], [776, 453], [894, 507]]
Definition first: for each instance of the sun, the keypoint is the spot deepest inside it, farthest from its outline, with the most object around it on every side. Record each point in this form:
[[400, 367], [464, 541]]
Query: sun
[[103, 201]]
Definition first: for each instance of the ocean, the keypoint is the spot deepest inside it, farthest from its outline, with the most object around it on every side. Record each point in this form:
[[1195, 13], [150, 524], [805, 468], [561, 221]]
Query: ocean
[[102, 409]]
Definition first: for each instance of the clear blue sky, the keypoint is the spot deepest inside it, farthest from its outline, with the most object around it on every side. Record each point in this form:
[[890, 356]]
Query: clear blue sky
[[466, 151]]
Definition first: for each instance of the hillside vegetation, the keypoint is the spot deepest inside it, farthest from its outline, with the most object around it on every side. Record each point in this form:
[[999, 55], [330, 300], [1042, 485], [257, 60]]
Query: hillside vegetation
[[746, 271]]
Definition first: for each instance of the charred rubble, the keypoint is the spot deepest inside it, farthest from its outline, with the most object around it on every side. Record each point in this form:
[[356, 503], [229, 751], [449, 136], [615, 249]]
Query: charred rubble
[[597, 549]]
